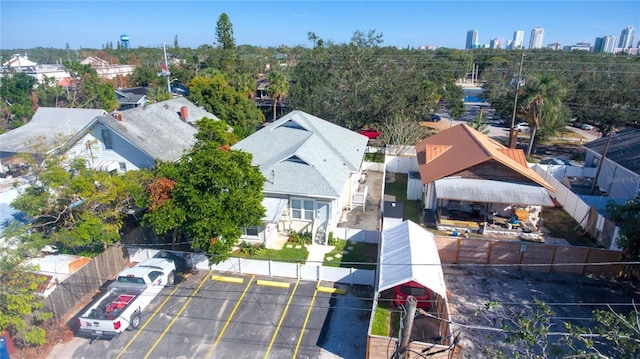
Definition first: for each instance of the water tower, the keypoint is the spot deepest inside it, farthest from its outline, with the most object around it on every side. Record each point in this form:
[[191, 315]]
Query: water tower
[[125, 41]]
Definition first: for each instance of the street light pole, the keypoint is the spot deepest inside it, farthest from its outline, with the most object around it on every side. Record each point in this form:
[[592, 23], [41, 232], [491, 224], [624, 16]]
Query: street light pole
[[513, 136]]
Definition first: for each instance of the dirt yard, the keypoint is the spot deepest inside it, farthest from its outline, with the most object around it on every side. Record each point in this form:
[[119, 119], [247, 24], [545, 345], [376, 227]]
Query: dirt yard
[[571, 297]]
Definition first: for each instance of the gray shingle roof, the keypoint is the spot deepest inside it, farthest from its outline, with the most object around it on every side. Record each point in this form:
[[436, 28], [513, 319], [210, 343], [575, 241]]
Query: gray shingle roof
[[50, 127], [157, 129], [301, 154], [624, 148]]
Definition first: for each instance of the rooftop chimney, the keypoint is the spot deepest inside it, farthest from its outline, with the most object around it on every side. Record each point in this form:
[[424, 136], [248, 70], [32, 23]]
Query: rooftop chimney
[[184, 113]]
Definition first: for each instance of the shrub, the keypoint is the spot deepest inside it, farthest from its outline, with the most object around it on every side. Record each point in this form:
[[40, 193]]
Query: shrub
[[332, 240]]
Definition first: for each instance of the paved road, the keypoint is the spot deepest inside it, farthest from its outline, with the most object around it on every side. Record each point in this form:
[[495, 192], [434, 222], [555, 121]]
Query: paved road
[[496, 130]]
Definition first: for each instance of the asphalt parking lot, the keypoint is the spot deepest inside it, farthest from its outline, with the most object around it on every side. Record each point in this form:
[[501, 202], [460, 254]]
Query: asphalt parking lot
[[212, 315]]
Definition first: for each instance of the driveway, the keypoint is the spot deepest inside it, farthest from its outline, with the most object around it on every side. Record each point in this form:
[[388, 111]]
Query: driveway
[[241, 317]]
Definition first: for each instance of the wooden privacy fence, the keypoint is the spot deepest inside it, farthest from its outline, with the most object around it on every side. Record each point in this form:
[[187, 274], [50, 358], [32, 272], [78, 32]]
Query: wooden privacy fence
[[86, 281], [529, 256]]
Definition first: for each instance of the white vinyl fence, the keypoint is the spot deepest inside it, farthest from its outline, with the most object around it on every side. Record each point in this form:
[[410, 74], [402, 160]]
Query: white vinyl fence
[[357, 235], [577, 208], [300, 271]]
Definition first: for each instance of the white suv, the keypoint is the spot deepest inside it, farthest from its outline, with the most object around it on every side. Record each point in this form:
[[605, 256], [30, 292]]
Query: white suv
[[523, 127]]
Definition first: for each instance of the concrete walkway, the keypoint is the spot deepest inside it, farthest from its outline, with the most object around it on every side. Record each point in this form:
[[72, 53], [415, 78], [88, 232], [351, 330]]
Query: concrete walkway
[[317, 253]]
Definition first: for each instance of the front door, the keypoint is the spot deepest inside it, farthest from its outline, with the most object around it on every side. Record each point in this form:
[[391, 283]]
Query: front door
[[322, 221]]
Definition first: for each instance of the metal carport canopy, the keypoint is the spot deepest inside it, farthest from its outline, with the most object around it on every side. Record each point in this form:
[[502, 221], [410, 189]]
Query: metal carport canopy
[[408, 252], [487, 191]]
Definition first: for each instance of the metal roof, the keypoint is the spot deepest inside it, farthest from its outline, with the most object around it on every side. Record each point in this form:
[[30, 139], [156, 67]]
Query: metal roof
[[487, 191], [624, 148], [408, 252], [301, 154], [461, 147]]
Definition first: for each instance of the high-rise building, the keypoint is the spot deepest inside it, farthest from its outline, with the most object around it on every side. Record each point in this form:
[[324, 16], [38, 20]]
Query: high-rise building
[[472, 39], [518, 40], [554, 46], [496, 43], [537, 35], [626, 37], [607, 44]]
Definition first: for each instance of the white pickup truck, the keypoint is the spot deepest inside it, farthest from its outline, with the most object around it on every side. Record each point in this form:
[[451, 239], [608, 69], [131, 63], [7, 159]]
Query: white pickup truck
[[120, 307]]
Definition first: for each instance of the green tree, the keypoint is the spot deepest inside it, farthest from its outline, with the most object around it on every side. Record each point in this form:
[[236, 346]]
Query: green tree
[[21, 307], [208, 195], [90, 91], [224, 101], [17, 105], [226, 42], [278, 88], [627, 216], [541, 104], [79, 210], [361, 83], [49, 94], [145, 76]]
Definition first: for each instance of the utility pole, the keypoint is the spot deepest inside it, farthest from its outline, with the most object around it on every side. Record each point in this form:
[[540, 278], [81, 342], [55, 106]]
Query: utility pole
[[513, 135], [602, 158], [408, 325]]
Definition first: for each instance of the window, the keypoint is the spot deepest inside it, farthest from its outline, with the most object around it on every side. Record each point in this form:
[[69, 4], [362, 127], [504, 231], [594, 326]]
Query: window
[[251, 231], [106, 139], [154, 275], [123, 166], [414, 291], [302, 209]]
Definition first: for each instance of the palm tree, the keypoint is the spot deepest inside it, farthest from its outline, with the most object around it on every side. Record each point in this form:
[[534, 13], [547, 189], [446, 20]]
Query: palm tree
[[278, 88], [541, 102]]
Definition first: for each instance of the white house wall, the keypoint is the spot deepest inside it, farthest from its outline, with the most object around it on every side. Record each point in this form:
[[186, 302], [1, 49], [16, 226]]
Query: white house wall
[[122, 151]]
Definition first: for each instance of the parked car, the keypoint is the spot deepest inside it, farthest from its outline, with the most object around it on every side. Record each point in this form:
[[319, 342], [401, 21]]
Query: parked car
[[523, 127], [434, 117], [371, 134], [586, 126], [555, 161]]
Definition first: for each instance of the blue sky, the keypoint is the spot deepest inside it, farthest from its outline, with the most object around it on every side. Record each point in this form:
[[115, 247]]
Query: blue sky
[[90, 23]]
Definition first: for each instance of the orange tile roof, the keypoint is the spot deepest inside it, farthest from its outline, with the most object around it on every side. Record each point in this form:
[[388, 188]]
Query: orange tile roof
[[460, 147]]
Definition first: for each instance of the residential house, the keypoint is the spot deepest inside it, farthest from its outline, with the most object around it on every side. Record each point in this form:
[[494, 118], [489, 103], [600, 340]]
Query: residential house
[[47, 131], [131, 97], [137, 138], [106, 70], [312, 168], [19, 63], [619, 175], [472, 181]]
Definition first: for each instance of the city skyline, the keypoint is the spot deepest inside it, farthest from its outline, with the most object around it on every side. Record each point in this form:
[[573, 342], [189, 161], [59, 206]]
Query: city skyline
[[404, 24]]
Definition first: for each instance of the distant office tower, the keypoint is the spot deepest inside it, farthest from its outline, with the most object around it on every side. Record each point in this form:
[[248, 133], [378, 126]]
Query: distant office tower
[[626, 37], [518, 40], [537, 35], [554, 46], [496, 43], [606, 44], [472, 39]]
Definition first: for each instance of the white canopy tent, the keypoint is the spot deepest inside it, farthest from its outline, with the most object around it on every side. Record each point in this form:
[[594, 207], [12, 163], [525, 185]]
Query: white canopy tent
[[408, 252]]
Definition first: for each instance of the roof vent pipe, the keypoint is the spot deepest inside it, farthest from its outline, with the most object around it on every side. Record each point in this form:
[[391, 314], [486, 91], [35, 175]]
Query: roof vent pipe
[[118, 116]]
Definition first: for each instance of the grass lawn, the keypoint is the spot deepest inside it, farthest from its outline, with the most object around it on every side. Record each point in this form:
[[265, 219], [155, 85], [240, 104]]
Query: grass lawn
[[411, 209], [561, 225], [374, 157], [283, 255], [352, 255], [386, 319]]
